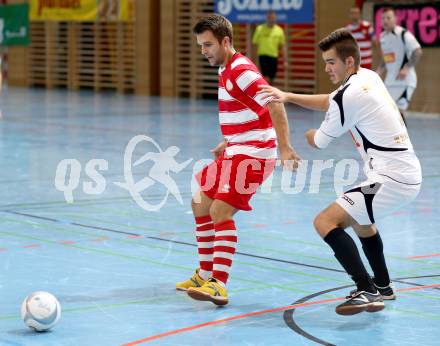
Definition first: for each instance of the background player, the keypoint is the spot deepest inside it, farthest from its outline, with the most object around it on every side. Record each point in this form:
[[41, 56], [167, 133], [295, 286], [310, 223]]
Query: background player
[[400, 53], [270, 40], [363, 33]]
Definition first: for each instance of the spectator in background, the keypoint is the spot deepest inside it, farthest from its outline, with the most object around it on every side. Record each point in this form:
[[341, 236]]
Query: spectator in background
[[270, 40], [400, 53], [363, 33]]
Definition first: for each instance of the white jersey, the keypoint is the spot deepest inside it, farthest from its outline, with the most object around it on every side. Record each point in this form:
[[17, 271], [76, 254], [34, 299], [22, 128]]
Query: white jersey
[[363, 107], [397, 48]]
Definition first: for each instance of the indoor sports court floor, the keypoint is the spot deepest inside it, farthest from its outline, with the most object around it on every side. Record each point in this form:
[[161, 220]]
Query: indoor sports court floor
[[113, 265]]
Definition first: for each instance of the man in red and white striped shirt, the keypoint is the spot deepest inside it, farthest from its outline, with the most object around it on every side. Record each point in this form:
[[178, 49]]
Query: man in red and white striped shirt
[[252, 129], [363, 33]]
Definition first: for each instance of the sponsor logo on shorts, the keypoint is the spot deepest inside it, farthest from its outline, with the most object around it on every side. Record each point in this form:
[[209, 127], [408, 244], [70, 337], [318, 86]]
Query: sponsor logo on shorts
[[348, 199], [225, 188]]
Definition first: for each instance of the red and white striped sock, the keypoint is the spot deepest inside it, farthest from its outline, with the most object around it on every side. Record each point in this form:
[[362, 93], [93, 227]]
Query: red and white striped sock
[[224, 249], [205, 235]]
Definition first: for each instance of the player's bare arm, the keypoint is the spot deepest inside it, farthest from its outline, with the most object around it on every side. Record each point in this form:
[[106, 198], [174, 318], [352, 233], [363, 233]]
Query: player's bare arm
[[413, 60], [415, 57], [382, 67], [314, 102], [289, 157], [284, 54]]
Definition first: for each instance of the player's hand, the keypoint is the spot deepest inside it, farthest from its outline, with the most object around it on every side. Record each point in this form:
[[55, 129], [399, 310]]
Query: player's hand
[[402, 73], [219, 149], [289, 158], [310, 137], [270, 91]]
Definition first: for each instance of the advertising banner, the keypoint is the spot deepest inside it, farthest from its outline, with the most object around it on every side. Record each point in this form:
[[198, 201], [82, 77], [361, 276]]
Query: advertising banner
[[77, 10], [423, 20], [254, 11], [14, 25]]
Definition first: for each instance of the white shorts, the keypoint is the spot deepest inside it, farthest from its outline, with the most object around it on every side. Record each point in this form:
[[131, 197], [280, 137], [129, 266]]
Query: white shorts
[[401, 95], [370, 201]]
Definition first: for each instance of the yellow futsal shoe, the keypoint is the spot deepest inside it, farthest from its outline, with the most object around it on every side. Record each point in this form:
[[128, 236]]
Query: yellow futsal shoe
[[194, 281], [211, 291]]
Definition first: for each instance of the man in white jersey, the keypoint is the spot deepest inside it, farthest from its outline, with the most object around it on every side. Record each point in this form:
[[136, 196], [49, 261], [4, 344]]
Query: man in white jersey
[[363, 107], [400, 54]]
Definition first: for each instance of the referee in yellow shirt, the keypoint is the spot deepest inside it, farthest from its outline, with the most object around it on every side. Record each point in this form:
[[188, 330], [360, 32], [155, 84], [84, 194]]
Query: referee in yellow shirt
[[270, 40]]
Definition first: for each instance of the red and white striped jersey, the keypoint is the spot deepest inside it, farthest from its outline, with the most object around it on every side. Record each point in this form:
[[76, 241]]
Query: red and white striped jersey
[[363, 33], [244, 118]]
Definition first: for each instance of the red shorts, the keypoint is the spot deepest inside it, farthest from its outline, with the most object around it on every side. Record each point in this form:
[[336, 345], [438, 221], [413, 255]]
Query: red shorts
[[235, 179]]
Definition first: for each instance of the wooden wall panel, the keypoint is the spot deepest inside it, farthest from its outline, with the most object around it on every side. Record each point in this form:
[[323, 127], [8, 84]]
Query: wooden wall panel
[[167, 47], [331, 15], [147, 47], [194, 76], [17, 66], [426, 96], [16, 60], [98, 55]]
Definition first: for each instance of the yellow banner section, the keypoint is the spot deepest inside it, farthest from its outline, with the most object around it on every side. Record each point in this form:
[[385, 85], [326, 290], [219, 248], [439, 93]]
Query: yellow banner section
[[78, 10], [126, 10]]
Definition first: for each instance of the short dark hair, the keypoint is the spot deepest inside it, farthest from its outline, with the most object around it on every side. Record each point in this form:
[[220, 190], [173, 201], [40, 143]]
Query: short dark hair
[[217, 24], [344, 44], [388, 9]]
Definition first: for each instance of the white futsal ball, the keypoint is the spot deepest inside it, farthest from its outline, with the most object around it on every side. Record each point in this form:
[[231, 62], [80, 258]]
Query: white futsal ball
[[40, 311]]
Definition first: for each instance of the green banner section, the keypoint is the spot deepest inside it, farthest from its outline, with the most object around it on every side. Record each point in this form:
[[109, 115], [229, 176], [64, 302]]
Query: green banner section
[[14, 25]]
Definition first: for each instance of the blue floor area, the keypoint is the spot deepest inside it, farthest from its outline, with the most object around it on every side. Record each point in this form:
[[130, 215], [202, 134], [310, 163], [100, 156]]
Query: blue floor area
[[113, 265]]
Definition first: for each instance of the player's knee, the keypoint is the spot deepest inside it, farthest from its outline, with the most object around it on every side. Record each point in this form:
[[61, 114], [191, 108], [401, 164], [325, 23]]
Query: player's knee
[[365, 231], [216, 213], [317, 222], [323, 225], [194, 205], [199, 207], [219, 214]]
